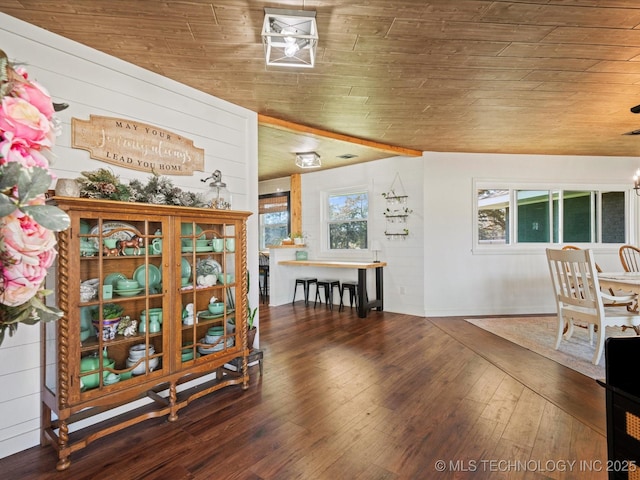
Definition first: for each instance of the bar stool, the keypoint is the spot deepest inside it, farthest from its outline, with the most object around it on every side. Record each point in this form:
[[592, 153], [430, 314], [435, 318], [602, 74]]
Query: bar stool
[[327, 286], [353, 294], [306, 282], [263, 280]]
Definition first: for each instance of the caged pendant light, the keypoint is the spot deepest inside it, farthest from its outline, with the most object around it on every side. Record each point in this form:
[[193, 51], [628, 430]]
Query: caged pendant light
[[290, 37]]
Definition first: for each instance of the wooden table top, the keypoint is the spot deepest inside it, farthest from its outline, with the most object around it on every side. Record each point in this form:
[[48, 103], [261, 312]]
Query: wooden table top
[[620, 275], [631, 279], [332, 264]]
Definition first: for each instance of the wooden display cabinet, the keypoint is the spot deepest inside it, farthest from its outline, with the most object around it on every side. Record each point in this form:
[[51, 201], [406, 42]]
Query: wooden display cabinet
[[196, 244]]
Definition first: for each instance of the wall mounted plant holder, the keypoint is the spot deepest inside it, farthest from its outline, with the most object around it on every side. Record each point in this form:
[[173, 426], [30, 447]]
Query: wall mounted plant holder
[[396, 211], [397, 234]]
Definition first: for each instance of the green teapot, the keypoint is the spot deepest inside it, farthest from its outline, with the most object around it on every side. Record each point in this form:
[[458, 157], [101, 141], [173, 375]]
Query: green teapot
[[91, 363]]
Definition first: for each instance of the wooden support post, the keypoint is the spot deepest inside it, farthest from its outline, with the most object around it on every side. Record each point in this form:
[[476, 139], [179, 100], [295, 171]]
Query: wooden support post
[[296, 203]]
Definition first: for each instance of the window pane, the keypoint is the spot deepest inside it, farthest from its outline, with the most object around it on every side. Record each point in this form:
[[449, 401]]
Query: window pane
[[347, 225], [533, 216], [348, 235], [274, 227], [573, 216], [577, 217], [273, 218], [613, 218], [354, 206], [493, 216]]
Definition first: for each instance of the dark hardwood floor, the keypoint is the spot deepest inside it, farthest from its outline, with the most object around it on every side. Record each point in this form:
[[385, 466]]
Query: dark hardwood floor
[[385, 397]]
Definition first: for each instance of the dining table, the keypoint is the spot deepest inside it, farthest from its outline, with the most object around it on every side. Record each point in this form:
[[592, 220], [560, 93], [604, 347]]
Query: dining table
[[364, 303], [620, 281]]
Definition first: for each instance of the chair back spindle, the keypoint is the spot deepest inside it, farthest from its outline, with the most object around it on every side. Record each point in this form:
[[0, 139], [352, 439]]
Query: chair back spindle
[[630, 258]]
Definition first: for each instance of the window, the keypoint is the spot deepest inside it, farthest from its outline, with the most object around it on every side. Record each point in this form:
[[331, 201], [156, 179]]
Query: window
[[274, 218], [507, 216], [347, 220]]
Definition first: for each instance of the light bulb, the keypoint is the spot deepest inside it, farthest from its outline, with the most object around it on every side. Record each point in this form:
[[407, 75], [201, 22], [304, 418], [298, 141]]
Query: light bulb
[[291, 50], [288, 32]]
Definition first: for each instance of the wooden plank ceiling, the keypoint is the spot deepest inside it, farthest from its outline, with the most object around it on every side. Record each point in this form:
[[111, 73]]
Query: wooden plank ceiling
[[531, 77]]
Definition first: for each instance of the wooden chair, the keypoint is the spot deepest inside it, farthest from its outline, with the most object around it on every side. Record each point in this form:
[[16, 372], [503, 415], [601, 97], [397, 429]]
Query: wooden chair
[[573, 247], [630, 258], [579, 298], [631, 306]]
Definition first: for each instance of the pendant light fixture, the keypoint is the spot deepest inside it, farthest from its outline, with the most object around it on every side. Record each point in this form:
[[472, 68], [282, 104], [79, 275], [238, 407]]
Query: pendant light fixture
[[290, 37]]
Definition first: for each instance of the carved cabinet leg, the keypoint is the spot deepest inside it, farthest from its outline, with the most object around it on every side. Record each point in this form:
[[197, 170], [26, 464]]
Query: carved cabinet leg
[[63, 447], [173, 398]]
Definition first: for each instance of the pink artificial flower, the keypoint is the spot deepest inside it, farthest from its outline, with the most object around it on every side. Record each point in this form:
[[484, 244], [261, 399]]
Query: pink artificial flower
[[15, 151], [34, 93], [15, 288], [31, 249], [25, 123]]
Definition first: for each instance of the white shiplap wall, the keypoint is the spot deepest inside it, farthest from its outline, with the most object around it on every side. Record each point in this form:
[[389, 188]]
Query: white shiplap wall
[[403, 277], [94, 83]]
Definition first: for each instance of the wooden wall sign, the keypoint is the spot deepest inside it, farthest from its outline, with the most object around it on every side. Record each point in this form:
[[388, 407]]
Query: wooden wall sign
[[136, 145]]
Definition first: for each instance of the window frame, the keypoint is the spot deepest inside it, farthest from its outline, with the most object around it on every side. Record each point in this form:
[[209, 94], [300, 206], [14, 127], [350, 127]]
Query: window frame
[[261, 226], [325, 194], [630, 201]]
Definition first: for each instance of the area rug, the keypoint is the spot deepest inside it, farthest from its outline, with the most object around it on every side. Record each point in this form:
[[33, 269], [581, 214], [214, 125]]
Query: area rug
[[538, 334]]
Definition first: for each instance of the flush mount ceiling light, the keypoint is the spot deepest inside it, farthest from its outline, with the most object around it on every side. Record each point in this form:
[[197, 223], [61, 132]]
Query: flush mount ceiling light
[[290, 37], [308, 160]]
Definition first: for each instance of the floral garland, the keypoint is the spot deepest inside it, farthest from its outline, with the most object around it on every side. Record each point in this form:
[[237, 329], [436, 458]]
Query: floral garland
[[104, 184], [27, 224]]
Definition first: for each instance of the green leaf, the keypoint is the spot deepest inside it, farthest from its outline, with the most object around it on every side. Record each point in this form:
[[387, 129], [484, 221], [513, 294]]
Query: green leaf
[[4, 327], [45, 313], [48, 216], [31, 185], [7, 205], [9, 174], [14, 315]]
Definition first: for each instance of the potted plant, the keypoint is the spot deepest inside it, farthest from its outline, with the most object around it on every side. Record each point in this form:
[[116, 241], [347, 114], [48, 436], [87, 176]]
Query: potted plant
[[251, 330], [251, 315], [111, 313], [298, 238]]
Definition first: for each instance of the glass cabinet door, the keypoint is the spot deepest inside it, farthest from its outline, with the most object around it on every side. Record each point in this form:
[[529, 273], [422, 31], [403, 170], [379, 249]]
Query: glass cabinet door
[[119, 296], [207, 289]]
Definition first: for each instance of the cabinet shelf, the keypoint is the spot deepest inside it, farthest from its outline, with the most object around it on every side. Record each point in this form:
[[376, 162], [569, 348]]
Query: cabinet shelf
[[71, 391], [91, 343], [115, 258]]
